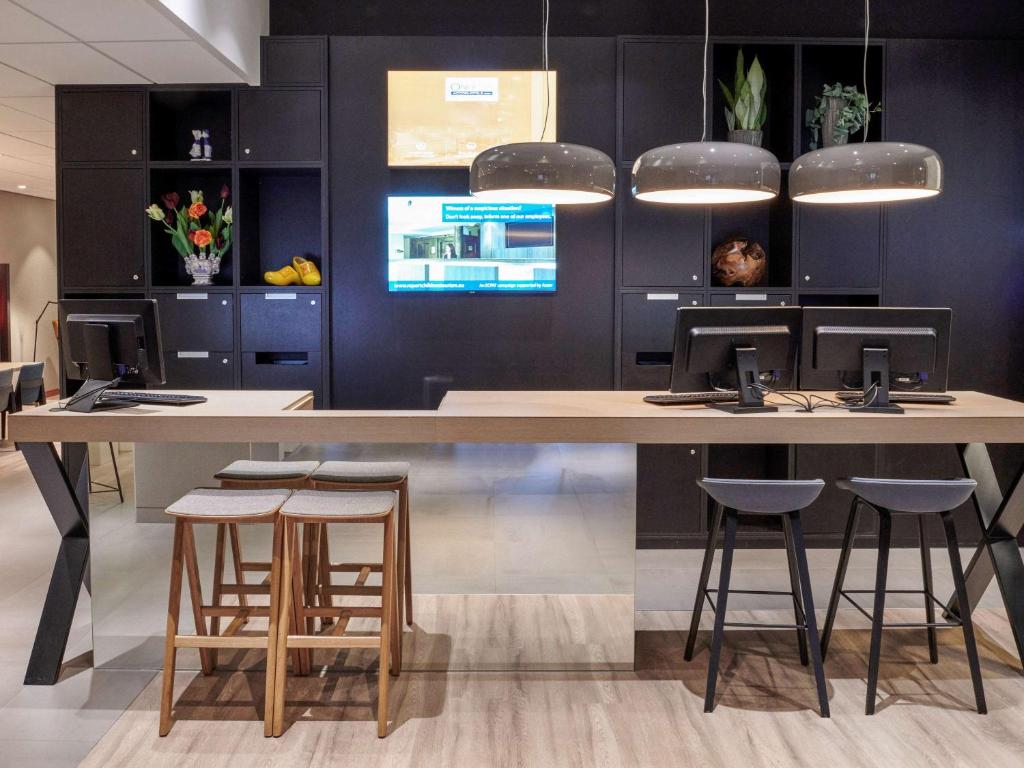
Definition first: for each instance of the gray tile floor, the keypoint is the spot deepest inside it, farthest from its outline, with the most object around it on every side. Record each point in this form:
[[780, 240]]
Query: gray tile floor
[[465, 541]]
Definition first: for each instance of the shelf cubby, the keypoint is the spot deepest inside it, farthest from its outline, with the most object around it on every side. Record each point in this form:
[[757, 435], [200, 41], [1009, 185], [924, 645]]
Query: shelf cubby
[[768, 223], [173, 114], [829, 63], [279, 216], [778, 62], [167, 270]]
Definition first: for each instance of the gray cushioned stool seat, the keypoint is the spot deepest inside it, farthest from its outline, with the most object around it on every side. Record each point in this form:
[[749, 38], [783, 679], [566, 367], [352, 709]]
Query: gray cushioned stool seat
[[362, 471], [767, 497], [228, 502], [244, 469], [916, 496], [339, 504]]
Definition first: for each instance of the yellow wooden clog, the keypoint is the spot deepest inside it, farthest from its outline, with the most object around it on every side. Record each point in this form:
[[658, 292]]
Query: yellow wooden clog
[[283, 276], [307, 270]]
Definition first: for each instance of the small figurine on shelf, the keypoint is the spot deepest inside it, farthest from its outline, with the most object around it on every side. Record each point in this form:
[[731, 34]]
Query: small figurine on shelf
[[207, 147], [202, 150]]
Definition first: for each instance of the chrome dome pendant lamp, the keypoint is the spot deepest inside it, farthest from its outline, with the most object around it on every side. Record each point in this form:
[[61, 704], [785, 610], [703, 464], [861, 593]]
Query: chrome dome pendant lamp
[[868, 172], [549, 172], [706, 172]]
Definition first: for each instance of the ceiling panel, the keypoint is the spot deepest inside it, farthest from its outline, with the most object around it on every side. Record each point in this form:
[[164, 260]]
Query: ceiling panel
[[171, 62], [12, 145], [14, 83], [65, 63], [38, 106], [12, 119], [28, 169], [20, 26], [11, 181], [94, 20], [44, 138]]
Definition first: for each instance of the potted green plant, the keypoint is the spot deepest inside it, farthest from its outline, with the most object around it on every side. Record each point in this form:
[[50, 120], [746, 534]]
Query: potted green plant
[[840, 111], [746, 108]]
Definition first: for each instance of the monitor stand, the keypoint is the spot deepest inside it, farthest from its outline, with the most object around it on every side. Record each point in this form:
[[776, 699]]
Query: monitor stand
[[876, 373], [751, 400], [86, 399]]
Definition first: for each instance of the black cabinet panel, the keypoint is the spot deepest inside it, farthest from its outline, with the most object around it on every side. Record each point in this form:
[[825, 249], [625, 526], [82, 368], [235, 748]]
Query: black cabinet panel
[[293, 61], [661, 101], [827, 515], [668, 499], [747, 299], [280, 321], [101, 126], [196, 321], [282, 370], [199, 370], [661, 244], [89, 255], [279, 124], [839, 246], [648, 329]]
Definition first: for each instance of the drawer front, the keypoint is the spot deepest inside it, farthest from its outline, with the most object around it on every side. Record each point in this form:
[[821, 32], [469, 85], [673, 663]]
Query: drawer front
[[281, 321], [190, 320], [751, 300], [199, 370], [282, 370], [648, 332]]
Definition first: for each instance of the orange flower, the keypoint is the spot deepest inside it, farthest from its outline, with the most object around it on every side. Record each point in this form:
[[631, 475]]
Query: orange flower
[[196, 210], [202, 238]]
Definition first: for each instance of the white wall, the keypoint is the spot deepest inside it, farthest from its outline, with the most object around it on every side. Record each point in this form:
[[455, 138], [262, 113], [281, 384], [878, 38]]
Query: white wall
[[230, 29], [28, 242]]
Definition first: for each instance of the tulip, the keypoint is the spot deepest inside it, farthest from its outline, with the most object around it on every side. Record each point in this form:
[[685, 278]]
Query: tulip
[[196, 195], [224, 192], [228, 217], [155, 212], [170, 200]]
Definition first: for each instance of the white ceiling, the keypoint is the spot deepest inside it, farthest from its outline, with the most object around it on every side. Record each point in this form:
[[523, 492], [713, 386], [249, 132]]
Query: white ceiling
[[49, 42]]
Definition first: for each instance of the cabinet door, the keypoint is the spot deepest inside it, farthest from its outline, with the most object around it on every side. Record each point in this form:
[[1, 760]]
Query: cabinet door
[[662, 245], [101, 126], [101, 232], [279, 124], [293, 61], [191, 320], [280, 321], [199, 370], [827, 515], [668, 499], [660, 94], [839, 246], [648, 330]]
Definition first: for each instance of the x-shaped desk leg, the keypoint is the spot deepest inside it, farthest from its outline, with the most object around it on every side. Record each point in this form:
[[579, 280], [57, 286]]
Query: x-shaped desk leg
[[65, 488], [1002, 518]]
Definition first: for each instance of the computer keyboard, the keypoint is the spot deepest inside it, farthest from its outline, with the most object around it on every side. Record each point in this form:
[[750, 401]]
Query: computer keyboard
[[152, 398], [941, 398], [691, 398]]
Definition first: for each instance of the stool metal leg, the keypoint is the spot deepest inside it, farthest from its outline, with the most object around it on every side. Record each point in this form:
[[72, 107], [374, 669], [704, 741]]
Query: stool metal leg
[[929, 604], [965, 611], [702, 585], [728, 546], [796, 533], [173, 612], [881, 574], [794, 585], [844, 562]]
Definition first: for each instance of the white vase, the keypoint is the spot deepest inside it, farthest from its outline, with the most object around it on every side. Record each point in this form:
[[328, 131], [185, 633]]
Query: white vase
[[201, 268]]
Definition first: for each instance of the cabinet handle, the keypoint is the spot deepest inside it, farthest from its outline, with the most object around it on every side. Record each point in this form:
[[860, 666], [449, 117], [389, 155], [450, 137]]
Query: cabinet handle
[[193, 355], [223, 302], [312, 302], [807, 278], [782, 303], [191, 296], [694, 277], [135, 152], [280, 296], [663, 297], [693, 451], [135, 277], [225, 361], [247, 151], [694, 303]]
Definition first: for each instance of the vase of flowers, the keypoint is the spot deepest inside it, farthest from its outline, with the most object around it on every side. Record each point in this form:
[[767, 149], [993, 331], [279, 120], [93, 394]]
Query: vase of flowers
[[199, 235]]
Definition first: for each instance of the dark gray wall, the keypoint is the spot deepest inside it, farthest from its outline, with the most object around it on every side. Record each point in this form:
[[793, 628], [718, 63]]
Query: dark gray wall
[[384, 344]]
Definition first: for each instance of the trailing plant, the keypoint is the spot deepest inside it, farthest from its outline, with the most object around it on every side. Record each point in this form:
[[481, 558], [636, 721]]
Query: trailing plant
[[850, 118], [746, 108]]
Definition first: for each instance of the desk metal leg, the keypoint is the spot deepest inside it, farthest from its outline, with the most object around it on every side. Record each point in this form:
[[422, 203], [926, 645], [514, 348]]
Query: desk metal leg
[[1001, 518], [65, 488]]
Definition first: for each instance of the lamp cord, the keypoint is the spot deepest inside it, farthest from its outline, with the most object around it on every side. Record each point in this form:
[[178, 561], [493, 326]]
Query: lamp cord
[[704, 80], [864, 73], [545, 18]]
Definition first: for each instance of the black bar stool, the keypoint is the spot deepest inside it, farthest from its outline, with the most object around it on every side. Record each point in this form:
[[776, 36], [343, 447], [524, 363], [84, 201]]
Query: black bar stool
[[783, 499], [909, 497]]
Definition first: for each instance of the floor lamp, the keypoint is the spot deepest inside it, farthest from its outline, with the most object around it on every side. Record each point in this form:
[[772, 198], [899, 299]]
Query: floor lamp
[[35, 339]]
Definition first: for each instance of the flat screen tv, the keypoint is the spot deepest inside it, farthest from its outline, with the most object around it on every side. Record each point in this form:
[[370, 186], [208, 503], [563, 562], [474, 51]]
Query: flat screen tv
[[461, 244], [446, 118]]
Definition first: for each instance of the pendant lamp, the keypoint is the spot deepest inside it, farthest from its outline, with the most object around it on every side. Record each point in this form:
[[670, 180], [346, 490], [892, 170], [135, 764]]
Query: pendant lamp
[[868, 172], [543, 171], [706, 172]]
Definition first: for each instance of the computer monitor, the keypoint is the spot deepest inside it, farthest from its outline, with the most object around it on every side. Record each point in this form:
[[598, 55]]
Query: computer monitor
[[741, 347], [875, 349], [107, 342]]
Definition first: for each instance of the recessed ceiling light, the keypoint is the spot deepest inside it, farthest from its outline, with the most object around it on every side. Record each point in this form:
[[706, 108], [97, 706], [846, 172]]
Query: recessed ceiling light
[[22, 186]]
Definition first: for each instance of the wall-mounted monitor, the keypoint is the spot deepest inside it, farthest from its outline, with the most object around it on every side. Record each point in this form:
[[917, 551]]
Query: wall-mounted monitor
[[446, 118], [461, 244]]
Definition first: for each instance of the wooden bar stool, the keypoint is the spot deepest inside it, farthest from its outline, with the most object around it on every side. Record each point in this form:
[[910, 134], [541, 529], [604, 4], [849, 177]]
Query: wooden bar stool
[[249, 474], [779, 498], [920, 498], [369, 476], [220, 507], [327, 508]]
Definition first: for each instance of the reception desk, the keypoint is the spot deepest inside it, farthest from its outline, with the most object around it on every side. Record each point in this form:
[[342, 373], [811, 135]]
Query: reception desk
[[511, 417]]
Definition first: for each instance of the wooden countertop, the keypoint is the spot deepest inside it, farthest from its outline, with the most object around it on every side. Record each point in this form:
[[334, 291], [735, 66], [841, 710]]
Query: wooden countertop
[[520, 417]]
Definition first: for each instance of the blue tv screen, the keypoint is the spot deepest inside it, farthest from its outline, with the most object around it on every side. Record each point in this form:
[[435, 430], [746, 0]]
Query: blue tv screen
[[461, 244]]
